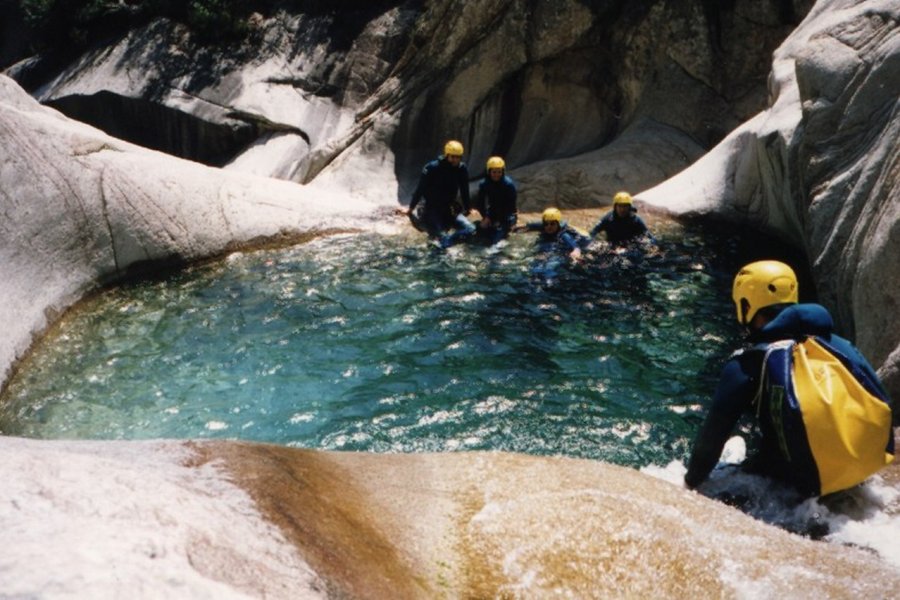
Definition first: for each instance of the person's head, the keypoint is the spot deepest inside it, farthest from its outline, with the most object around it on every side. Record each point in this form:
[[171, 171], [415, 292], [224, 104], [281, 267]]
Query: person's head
[[551, 218], [495, 168], [453, 152], [760, 287], [623, 204]]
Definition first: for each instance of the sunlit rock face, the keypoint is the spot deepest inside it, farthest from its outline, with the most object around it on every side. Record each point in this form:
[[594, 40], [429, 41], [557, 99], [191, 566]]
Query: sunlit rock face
[[296, 85], [820, 167], [389, 82], [81, 208]]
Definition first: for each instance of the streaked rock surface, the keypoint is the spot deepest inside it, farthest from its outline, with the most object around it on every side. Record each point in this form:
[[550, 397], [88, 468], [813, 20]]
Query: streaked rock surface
[[228, 519]]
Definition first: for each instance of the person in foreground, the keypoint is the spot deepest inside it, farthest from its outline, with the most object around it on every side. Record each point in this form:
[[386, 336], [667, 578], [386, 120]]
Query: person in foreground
[[792, 361], [622, 226], [497, 201], [442, 181]]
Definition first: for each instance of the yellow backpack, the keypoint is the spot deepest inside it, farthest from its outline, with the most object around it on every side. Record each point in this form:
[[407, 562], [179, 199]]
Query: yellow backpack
[[832, 422]]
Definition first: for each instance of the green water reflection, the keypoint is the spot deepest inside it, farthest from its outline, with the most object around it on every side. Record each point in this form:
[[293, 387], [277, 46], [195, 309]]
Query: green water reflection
[[379, 343]]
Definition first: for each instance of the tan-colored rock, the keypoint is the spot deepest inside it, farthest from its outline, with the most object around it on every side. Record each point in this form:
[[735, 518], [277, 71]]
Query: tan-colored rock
[[234, 519]]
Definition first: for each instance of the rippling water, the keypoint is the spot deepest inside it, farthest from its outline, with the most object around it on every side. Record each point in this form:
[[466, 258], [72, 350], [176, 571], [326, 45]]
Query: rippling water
[[381, 343]]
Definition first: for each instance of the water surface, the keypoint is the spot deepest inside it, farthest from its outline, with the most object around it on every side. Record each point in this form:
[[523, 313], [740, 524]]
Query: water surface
[[383, 343]]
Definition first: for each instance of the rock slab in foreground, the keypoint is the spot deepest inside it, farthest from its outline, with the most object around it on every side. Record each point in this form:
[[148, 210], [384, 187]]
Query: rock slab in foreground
[[491, 525], [150, 519]]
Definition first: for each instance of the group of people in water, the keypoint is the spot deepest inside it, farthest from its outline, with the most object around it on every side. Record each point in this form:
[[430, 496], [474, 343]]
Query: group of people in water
[[812, 450], [443, 193]]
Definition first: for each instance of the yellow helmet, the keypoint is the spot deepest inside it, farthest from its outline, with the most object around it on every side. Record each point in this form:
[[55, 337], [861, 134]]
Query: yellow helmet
[[551, 215], [495, 162], [453, 148], [761, 284], [622, 198]]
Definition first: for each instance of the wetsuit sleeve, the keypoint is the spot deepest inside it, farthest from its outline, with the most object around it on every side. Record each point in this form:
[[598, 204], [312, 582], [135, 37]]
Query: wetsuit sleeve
[[480, 200], [568, 240], [504, 209], [642, 227], [464, 187], [645, 230], [600, 226], [420, 188], [577, 237], [733, 396]]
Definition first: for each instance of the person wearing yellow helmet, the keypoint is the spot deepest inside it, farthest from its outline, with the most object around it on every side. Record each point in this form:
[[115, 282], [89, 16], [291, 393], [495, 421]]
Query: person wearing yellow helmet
[[765, 295], [496, 201], [444, 186], [551, 218], [622, 226], [555, 235]]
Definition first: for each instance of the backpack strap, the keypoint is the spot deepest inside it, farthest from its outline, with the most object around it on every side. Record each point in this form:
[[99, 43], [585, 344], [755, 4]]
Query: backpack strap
[[768, 349]]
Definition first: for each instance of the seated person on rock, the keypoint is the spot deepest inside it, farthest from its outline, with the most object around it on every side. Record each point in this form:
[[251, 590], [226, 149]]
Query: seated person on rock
[[496, 201], [442, 181], [622, 226], [555, 235]]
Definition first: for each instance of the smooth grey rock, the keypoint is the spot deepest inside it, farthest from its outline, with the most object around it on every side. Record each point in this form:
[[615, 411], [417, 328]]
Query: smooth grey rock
[[534, 81], [849, 160], [156, 88], [557, 80], [81, 208], [647, 151], [820, 167]]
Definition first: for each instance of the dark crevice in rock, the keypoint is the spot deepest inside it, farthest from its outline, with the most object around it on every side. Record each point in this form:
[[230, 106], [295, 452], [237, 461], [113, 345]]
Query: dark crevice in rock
[[792, 12], [712, 10], [159, 127], [341, 23], [104, 208], [511, 107], [14, 42], [155, 269], [315, 87], [264, 125], [313, 163]]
